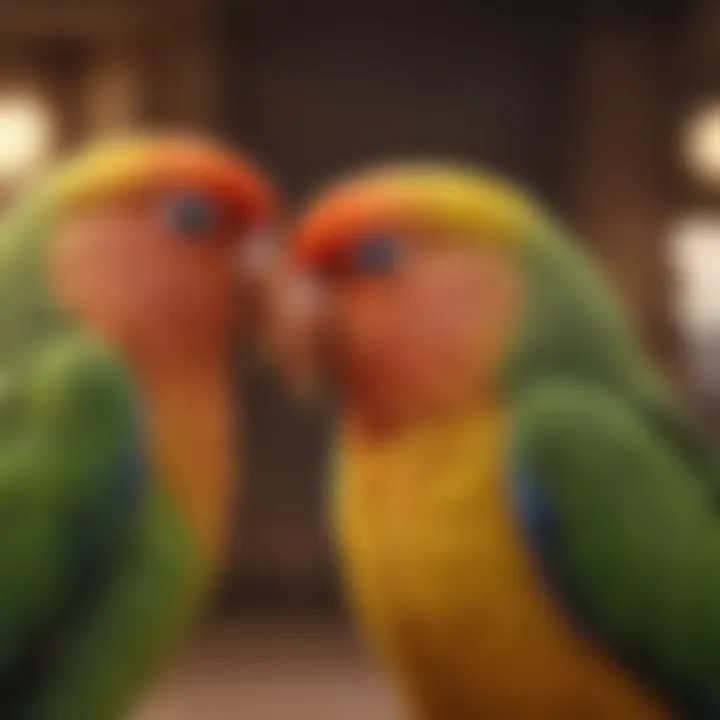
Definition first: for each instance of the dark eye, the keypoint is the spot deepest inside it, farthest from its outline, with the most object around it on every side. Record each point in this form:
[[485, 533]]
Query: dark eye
[[377, 254], [190, 215]]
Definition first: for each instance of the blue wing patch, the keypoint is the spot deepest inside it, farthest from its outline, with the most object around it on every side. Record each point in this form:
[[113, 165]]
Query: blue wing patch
[[539, 525], [536, 518]]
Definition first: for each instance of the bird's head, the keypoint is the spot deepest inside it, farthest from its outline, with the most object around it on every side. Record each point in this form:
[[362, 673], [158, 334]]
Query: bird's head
[[145, 234], [430, 285]]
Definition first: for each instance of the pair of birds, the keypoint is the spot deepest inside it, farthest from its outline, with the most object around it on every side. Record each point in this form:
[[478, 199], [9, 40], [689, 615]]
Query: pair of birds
[[528, 524]]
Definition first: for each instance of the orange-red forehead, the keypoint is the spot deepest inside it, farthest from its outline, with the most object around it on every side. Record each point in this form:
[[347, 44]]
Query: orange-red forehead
[[439, 202], [341, 217], [225, 175]]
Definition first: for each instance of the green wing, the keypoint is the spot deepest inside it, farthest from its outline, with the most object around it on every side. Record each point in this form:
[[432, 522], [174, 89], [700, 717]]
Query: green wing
[[69, 490], [627, 529], [147, 604], [99, 573]]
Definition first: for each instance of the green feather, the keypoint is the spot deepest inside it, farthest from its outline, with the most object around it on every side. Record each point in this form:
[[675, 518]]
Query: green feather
[[631, 484]]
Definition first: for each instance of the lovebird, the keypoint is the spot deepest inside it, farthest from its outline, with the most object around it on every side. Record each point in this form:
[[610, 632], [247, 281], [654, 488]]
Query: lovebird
[[526, 518], [118, 318]]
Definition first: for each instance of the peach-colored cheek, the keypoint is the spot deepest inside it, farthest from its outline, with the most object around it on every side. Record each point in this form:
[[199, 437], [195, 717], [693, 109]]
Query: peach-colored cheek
[[445, 322], [94, 266], [365, 317], [431, 337], [362, 326]]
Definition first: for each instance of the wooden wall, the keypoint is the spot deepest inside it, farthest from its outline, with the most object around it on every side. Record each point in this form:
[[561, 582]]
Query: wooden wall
[[578, 100], [624, 165], [105, 64]]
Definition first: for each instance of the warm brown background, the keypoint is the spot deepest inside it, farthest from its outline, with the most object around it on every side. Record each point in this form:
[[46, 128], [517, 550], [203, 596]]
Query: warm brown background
[[581, 103], [582, 100]]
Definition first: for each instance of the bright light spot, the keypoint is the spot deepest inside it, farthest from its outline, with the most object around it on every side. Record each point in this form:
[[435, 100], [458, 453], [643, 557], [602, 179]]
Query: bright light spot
[[695, 258], [695, 261], [26, 134]]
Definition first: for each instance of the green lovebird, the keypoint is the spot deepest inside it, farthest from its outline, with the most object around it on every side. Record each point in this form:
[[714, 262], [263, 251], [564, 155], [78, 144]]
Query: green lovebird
[[528, 523], [118, 318]]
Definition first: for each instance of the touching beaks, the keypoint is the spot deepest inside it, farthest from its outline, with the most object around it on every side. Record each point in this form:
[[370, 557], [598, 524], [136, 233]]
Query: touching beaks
[[258, 253], [256, 257], [283, 307], [294, 327]]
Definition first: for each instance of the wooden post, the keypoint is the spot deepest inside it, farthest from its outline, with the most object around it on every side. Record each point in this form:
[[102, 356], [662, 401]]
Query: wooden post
[[623, 168], [180, 82], [112, 89]]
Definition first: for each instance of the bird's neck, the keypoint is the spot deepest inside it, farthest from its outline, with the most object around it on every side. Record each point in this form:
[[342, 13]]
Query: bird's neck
[[191, 425], [477, 407]]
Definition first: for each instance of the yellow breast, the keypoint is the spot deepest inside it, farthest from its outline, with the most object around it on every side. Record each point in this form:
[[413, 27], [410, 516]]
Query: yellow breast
[[443, 582]]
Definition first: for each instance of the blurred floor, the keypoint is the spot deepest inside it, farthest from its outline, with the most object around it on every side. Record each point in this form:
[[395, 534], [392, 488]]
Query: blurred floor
[[271, 671]]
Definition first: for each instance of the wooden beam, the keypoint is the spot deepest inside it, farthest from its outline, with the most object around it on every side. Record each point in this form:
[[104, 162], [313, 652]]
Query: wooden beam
[[88, 20], [624, 166]]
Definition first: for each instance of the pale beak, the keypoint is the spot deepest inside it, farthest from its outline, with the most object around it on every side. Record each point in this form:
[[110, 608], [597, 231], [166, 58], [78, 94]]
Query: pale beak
[[258, 253], [293, 331], [284, 306], [256, 260]]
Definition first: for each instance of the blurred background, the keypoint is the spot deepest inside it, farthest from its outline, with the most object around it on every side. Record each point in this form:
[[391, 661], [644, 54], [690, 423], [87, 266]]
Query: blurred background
[[610, 109]]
